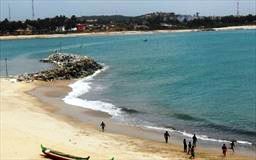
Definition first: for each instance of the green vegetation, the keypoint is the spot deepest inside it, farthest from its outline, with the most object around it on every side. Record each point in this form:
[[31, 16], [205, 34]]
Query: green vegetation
[[152, 21]]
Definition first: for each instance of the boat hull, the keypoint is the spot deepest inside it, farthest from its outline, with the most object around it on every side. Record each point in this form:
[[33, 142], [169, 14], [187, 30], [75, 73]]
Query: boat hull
[[56, 155]]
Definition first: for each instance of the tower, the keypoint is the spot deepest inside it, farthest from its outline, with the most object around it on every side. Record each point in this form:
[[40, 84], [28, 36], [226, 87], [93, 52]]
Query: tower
[[9, 12], [197, 14], [237, 8], [33, 11]]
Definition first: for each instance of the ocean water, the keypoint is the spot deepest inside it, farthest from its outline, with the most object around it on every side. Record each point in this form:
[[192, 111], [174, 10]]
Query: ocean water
[[198, 82]]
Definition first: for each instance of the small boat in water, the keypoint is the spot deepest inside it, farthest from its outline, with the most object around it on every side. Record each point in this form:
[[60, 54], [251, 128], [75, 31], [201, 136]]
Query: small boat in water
[[145, 40], [56, 155]]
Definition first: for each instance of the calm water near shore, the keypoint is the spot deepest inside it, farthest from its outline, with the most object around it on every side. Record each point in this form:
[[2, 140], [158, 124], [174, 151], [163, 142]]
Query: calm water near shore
[[198, 82]]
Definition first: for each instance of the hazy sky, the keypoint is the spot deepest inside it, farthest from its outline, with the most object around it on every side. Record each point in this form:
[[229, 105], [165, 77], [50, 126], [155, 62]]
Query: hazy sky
[[21, 9]]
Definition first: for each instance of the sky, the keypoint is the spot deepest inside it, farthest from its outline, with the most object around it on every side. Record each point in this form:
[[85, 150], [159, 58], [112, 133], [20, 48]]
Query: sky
[[22, 9]]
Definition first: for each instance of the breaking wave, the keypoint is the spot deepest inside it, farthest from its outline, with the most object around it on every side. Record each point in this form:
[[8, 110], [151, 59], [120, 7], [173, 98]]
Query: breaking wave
[[82, 87]]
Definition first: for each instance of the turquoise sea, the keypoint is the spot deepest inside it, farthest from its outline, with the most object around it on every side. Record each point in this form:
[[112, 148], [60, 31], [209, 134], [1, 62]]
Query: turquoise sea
[[197, 82]]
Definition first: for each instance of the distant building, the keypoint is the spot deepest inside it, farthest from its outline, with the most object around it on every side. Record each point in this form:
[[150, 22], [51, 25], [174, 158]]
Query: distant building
[[215, 17], [91, 20], [140, 27], [90, 25], [29, 27], [80, 27], [26, 31], [60, 29], [183, 18], [166, 25], [73, 29], [165, 17]]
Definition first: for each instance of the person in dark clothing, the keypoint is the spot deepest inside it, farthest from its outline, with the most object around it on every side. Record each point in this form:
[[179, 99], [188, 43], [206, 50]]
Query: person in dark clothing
[[166, 136], [185, 145], [194, 140], [189, 147], [192, 152], [224, 150], [232, 145], [102, 126]]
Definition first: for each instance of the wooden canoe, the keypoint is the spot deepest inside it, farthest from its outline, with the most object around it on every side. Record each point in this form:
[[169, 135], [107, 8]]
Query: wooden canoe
[[56, 155]]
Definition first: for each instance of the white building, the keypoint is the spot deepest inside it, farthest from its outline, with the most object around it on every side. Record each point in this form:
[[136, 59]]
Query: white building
[[60, 29], [182, 18]]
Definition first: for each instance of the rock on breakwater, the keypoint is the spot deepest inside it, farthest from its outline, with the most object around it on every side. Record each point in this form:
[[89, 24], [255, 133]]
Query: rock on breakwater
[[67, 66]]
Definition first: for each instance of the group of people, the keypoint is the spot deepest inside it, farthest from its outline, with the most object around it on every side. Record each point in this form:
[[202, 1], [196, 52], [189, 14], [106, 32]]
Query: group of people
[[225, 149], [190, 147]]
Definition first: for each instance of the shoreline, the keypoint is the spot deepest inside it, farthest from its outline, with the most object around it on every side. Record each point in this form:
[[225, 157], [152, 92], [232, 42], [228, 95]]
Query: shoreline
[[46, 100], [43, 121], [82, 86], [94, 117], [12, 37]]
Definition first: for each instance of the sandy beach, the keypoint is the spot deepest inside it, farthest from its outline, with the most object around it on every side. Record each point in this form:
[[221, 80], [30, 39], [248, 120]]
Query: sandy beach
[[27, 122], [120, 33]]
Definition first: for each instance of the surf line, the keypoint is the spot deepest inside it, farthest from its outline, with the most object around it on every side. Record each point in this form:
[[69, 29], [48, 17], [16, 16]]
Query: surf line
[[83, 86]]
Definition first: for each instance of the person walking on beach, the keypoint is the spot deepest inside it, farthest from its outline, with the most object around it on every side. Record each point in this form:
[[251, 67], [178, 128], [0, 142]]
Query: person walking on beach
[[232, 145], [185, 145], [192, 152], [224, 150], [194, 140], [189, 147], [102, 126], [166, 136]]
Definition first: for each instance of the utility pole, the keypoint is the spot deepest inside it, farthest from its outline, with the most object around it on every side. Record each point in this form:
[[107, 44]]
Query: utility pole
[[6, 69], [237, 8], [197, 14], [9, 11], [33, 10]]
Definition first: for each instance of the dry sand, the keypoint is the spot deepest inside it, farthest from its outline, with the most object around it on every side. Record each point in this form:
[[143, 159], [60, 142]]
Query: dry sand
[[26, 123], [120, 33]]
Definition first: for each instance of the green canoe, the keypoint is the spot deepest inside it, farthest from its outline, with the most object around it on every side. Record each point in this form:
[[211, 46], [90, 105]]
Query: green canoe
[[56, 155]]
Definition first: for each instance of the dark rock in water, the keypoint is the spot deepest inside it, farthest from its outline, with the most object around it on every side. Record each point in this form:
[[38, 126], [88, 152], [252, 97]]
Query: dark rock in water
[[68, 66], [128, 110]]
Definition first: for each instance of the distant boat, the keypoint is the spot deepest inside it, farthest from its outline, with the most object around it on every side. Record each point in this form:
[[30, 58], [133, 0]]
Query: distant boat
[[145, 40], [56, 155]]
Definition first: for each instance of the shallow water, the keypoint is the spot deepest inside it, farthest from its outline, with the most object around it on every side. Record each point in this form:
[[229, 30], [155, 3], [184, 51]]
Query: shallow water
[[199, 82]]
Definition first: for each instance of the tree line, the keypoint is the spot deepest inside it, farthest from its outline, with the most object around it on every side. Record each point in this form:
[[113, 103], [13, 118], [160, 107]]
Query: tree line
[[151, 21]]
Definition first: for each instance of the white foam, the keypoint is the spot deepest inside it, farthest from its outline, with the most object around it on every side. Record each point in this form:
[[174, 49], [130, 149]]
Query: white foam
[[206, 138], [244, 142], [83, 86], [201, 137], [159, 128]]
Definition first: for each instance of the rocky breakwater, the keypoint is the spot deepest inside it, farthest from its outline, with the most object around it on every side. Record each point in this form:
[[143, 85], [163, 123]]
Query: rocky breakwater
[[67, 66]]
